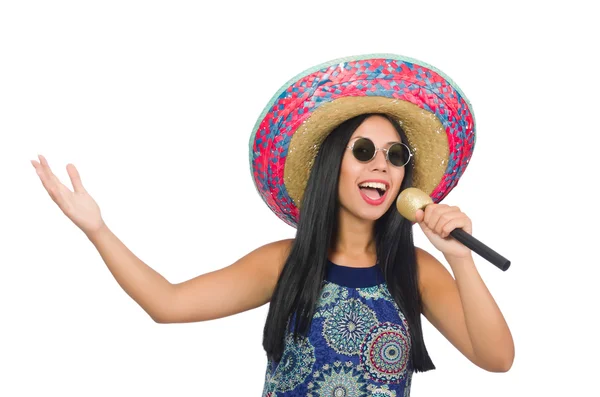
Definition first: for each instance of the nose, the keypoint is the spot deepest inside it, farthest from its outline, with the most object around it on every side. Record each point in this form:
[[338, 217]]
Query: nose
[[379, 163]]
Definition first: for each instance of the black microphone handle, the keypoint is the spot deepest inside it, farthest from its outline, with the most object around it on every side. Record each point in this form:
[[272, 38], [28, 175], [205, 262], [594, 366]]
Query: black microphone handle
[[481, 249]]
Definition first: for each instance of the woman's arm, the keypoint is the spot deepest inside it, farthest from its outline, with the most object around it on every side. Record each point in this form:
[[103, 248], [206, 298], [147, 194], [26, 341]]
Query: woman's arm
[[143, 284], [246, 284], [464, 311]]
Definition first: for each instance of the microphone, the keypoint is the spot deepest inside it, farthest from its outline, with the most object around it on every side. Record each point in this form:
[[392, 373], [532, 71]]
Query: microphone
[[413, 199]]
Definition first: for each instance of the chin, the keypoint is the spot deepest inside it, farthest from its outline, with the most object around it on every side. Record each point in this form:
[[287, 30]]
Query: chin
[[373, 214], [361, 210]]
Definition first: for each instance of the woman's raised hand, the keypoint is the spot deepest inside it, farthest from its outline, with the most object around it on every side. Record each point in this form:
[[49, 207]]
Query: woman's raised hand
[[77, 205]]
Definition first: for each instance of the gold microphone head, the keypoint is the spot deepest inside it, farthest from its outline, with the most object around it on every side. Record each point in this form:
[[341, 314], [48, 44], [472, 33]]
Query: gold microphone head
[[411, 200]]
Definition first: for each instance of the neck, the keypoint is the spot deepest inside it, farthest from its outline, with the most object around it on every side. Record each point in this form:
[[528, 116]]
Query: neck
[[355, 243]]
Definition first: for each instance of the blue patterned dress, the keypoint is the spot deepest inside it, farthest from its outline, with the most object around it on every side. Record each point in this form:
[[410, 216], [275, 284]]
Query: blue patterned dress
[[358, 344]]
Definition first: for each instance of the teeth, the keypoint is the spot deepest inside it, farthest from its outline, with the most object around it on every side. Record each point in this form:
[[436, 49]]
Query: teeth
[[375, 185]]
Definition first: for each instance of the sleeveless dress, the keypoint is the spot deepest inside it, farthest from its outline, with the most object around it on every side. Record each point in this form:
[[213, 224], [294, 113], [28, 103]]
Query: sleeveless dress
[[358, 343]]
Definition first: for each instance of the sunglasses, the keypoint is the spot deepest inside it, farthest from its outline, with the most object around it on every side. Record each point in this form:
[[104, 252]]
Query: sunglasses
[[364, 150]]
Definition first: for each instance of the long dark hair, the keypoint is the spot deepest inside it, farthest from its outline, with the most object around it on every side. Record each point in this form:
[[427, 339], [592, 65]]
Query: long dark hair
[[300, 282]]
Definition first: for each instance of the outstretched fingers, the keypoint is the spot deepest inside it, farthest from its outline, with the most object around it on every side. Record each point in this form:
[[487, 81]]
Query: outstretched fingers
[[57, 191]]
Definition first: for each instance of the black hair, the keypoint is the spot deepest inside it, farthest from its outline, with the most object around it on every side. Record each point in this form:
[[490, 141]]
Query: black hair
[[299, 285]]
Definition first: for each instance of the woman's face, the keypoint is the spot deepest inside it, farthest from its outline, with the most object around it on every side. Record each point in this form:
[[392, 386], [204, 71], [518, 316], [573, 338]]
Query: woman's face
[[370, 202]]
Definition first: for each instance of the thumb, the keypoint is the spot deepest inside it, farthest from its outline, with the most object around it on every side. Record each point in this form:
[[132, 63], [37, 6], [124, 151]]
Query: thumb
[[419, 216], [75, 178]]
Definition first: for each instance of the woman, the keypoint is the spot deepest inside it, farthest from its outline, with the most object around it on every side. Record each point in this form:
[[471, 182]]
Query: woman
[[346, 295]]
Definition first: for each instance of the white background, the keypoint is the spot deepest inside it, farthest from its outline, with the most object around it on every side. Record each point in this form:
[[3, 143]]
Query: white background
[[154, 102]]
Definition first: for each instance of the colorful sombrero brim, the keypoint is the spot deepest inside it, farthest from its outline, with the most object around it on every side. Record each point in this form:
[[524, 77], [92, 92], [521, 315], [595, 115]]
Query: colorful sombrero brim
[[433, 111]]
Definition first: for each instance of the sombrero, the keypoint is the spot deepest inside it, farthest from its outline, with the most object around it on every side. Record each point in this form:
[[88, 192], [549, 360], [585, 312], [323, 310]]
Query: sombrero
[[432, 110]]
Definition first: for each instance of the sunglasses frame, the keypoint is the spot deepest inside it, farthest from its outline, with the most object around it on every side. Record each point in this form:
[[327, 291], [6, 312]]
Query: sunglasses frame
[[386, 151]]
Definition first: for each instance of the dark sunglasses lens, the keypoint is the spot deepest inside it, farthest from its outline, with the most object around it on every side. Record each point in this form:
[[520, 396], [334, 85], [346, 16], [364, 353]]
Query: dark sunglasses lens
[[363, 149], [398, 154]]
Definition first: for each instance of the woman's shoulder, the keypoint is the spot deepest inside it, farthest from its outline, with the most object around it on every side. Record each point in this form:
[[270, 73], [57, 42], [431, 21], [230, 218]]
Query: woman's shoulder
[[276, 253]]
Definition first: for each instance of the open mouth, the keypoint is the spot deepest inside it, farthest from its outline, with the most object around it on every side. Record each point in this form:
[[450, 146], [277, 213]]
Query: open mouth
[[374, 191]]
